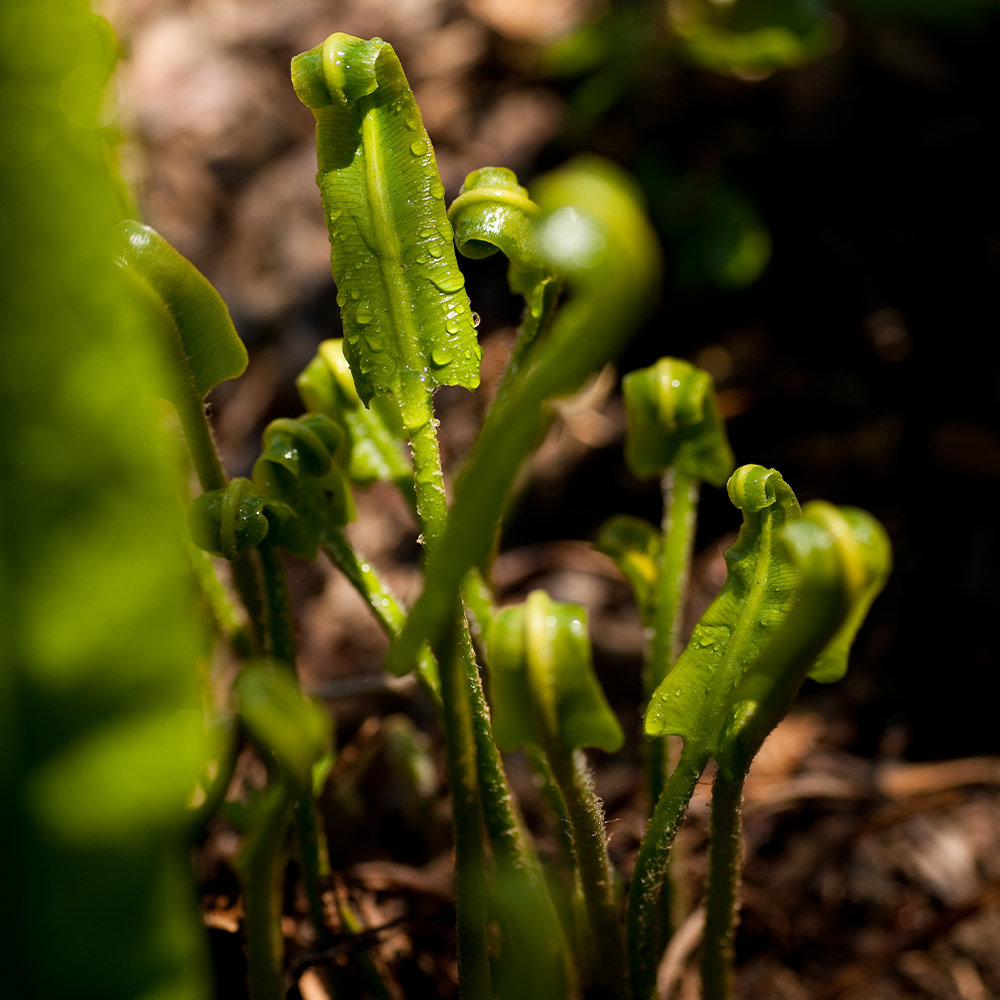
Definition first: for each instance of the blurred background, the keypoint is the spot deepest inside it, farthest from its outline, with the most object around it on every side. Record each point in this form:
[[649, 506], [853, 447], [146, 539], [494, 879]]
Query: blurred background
[[824, 180]]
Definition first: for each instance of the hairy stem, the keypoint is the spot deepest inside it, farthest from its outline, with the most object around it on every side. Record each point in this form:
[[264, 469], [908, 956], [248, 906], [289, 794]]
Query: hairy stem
[[680, 516], [280, 634], [470, 858], [262, 868], [585, 813], [723, 889], [651, 868]]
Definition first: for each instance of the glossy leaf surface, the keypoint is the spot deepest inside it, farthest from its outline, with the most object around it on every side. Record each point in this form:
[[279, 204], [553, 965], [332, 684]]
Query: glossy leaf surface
[[211, 348], [591, 226], [282, 720], [748, 611], [296, 467], [544, 687], [634, 544], [842, 559], [229, 522], [673, 421], [407, 322], [372, 448]]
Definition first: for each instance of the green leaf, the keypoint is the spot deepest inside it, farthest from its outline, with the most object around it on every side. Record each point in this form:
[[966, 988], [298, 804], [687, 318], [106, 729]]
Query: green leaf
[[372, 448], [842, 559], [593, 228], [749, 610], [831, 665], [282, 720], [673, 421], [407, 323], [229, 522], [544, 687], [211, 350], [634, 544], [297, 469]]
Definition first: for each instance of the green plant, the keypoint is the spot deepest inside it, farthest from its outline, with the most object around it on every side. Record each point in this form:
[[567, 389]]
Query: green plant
[[800, 582]]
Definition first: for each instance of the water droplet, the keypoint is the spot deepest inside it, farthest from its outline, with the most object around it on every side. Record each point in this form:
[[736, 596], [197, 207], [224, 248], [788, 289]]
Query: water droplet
[[677, 693], [341, 297], [365, 568], [437, 189], [412, 123], [365, 365], [450, 281], [418, 147], [333, 214], [435, 250], [364, 315], [551, 621], [375, 341], [441, 356], [385, 602], [476, 320], [426, 232], [387, 366], [453, 325], [355, 294]]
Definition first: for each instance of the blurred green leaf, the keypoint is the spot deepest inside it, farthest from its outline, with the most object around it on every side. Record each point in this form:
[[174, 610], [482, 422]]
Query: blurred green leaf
[[674, 422], [210, 348], [100, 714], [634, 544], [593, 228], [282, 720], [544, 688], [407, 322]]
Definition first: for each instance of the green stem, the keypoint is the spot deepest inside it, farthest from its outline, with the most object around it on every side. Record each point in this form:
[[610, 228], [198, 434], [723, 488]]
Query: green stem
[[680, 516], [470, 858], [281, 636], [212, 476], [383, 603], [312, 858], [651, 870], [557, 804], [723, 889], [262, 870], [585, 813], [459, 732], [215, 795]]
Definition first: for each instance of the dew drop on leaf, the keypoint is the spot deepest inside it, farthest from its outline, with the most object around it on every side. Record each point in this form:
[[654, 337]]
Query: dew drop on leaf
[[437, 189], [448, 282], [453, 325], [442, 355], [435, 250], [476, 319], [418, 147], [364, 315]]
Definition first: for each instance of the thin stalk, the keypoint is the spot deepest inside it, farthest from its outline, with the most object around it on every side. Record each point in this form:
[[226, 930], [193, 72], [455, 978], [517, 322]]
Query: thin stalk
[[262, 867], [280, 634], [215, 795], [723, 889], [387, 610], [470, 858], [459, 733], [557, 804], [312, 857], [651, 867], [680, 516], [585, 813], [212, 476]]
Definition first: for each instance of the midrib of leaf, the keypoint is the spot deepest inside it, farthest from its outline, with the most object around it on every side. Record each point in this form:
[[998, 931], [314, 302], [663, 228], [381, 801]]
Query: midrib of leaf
[[389, 252], [725, 675]]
